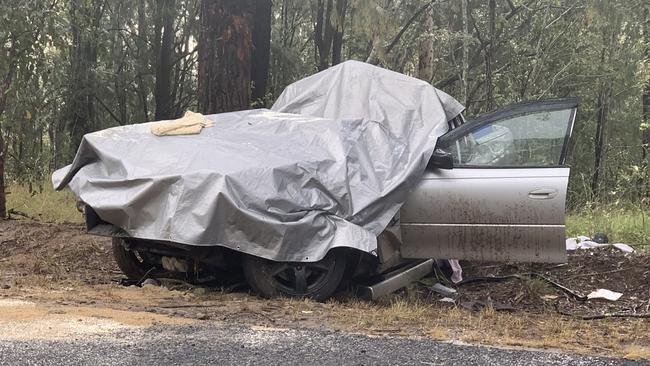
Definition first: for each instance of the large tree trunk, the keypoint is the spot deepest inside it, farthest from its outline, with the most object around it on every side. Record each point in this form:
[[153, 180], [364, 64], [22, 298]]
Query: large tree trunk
[[339, 29], [165, 26], [261, 50], [224, 55], [323, 32]]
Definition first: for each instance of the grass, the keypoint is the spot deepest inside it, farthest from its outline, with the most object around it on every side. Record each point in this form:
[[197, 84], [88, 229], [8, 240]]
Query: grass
[[622, 225], [48, 205], [626, 225]]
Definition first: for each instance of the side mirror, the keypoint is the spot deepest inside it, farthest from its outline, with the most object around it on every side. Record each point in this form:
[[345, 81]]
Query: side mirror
[[441, 160]]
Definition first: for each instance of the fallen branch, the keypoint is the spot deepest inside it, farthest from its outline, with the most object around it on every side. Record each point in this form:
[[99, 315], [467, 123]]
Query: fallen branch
[[20, 213], [602, 316], [522, 276]]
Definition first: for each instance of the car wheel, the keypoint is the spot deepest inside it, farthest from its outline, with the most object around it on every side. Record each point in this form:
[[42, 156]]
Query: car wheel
[[130, 262], [315, 280]]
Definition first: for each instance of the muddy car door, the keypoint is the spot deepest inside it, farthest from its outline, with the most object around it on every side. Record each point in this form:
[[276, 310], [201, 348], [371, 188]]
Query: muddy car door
[[504, 197]]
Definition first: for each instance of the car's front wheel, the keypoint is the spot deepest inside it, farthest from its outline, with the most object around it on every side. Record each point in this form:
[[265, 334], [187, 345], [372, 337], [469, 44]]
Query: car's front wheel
[[315, 280]]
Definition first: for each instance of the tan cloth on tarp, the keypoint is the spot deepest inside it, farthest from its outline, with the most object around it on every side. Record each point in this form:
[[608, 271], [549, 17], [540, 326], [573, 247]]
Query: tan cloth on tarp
[[191, 124]]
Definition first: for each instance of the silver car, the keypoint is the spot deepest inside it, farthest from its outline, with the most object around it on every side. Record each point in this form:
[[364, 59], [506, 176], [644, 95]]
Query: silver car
[[494, 190]]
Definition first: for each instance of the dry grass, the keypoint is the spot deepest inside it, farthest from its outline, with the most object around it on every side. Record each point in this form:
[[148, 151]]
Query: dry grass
[[614, 337], [47, 205]]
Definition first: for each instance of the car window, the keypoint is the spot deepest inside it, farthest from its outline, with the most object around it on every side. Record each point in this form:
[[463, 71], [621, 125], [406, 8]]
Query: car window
[[533, 139]]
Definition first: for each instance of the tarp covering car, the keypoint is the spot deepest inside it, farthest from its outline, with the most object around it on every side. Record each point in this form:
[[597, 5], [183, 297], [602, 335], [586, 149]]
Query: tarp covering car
[[328, 166]]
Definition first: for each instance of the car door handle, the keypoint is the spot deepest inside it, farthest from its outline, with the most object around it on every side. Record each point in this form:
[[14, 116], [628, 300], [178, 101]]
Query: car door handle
[[542, 193]]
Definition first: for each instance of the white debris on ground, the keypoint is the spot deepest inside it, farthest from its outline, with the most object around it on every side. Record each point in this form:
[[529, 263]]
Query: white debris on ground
[[585, 242], [605, 294]]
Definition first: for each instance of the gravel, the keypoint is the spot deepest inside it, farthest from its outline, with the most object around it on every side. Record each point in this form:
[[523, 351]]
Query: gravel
[[220, 344]]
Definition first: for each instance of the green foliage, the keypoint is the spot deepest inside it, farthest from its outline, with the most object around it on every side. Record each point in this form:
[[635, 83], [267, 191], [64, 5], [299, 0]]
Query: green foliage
[[539, 49], [621, 223]]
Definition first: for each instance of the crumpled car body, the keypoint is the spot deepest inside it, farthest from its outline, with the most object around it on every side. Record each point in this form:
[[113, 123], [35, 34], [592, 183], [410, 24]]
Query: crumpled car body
[[339, 178]]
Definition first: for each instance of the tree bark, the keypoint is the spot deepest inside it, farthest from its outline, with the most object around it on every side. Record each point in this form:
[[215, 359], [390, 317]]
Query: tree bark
[[489, 87], [3, 196], [166, 15], [339, 29], [425, 57], [142, 60], [85, 20], [224, 55], [601, 123], [261, 50], [645, 138], [323, 33], [465, 65]]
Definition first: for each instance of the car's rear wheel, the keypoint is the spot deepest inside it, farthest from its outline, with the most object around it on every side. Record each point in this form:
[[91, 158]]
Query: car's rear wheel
[[315, 280], [132, 264]]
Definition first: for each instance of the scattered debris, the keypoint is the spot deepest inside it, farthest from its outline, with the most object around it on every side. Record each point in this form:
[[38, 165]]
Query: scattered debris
[[457, 271], [443, 290], [605, 294], [151, 281], [585, 242], [480, 305], [448, 300]]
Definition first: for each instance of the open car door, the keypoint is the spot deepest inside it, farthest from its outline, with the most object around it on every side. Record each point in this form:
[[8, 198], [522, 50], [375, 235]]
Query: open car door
[[504, 198]]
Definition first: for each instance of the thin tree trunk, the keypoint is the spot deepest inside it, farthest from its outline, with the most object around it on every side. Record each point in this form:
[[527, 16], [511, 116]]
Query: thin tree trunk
[[85, 19], [489, 87], [465, 42], [644, 185], [425, 57], [261, 49], [601, 124], [142, 60], [224, 55], [164, 60], [3, 196]]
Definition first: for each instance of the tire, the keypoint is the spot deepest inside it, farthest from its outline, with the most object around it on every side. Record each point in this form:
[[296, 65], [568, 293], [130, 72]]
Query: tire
[[128, 261], [315, 280]]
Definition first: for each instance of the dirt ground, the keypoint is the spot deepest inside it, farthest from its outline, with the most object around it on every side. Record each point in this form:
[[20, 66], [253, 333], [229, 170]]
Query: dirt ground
[[50, 272]]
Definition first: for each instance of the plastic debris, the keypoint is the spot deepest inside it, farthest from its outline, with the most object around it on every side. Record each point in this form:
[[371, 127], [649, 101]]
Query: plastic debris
[[448, 299], [457, 271], [605, 294], [585, 242], [443, 290]]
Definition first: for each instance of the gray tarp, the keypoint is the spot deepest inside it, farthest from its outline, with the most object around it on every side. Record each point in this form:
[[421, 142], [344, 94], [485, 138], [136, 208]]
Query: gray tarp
[[328, 166]]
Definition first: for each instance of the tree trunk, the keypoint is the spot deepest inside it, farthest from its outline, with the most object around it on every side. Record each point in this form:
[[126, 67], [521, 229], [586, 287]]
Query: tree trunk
[[465, 65], [323, 33], [224, 55], [489, 87], [261, 50], [166, 15], [3, 196], [425, 57], [339, 29], [85, 19], [645, 138], [142, 60], [601, 123]]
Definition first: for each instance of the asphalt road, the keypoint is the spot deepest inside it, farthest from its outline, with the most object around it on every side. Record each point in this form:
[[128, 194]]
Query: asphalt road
[[221, 344]]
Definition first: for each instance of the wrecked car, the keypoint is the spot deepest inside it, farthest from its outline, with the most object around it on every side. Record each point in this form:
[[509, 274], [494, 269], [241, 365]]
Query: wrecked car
[[356, 172]]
